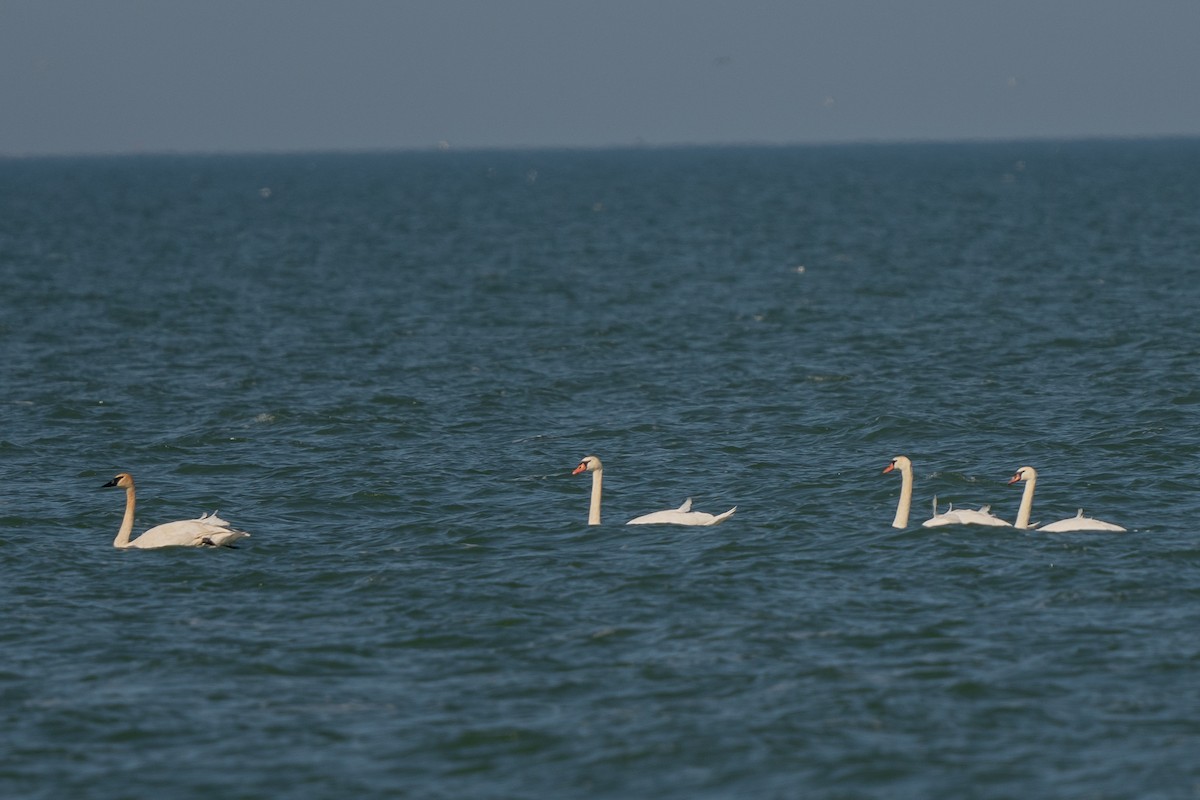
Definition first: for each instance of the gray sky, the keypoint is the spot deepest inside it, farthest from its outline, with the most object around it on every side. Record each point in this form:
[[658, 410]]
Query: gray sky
[[121, 76]]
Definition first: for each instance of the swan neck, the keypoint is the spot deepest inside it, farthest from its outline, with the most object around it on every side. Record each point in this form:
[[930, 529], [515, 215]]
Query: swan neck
[[122, 539], [1026, 504], [905, 505], [594, 508]]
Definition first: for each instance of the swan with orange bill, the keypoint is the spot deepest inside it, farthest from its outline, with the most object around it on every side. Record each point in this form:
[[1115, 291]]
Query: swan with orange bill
[[962, 516], [1076, 523], [674, 516]]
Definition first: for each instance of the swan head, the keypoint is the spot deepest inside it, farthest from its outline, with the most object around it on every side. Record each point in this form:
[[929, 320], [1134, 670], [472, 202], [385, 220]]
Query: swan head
[[899, 462], [123, 480], [1023, 474], [589, 464]]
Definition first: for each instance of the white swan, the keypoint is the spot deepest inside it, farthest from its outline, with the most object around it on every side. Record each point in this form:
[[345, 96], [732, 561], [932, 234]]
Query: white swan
[[952, 517], [207, 531], [675, 516], [1076, 523]]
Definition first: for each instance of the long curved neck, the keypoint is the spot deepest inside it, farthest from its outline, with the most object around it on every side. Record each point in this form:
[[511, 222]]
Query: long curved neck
[[594, 508], [1026, 504], [122, 539], [905, 504]]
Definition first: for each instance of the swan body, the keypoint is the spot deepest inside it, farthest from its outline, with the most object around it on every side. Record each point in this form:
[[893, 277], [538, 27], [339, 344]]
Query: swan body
[[1076, 523], [966, 516], [208, 530], [682, 516], [952, 517], [674, 516], [1080, 523]]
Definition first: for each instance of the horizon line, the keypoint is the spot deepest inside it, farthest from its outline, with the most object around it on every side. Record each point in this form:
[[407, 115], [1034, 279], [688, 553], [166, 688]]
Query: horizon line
[[444, 146]]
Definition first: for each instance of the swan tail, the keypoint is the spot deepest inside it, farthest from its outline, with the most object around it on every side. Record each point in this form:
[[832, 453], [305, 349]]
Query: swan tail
[[719, 518], [225, 539]]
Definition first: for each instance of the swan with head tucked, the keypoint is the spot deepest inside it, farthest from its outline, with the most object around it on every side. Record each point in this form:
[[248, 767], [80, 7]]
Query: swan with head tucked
[[674, 516], [1076, 523], [207, 531], [952, 517]]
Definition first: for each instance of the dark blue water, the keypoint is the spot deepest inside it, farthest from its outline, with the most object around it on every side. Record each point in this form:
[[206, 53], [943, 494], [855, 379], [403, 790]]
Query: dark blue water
[[385, 367]]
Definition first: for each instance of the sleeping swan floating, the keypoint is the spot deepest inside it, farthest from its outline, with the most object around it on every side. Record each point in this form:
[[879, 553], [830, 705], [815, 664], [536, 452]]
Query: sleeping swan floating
[[675, 516], [1076, 523], [207, 531], [964, 516]]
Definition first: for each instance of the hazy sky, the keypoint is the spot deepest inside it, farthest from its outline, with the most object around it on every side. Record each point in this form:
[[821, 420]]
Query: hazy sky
[[266, 75]]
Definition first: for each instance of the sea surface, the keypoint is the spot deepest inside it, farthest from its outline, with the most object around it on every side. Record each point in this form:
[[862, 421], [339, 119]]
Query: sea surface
[[385, 367]]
